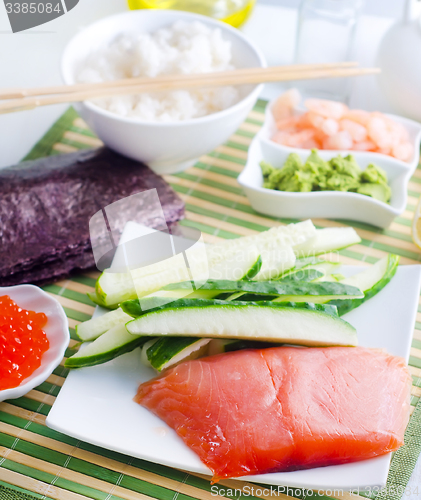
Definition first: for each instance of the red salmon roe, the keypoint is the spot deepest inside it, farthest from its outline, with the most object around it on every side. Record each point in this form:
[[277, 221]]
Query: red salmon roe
[[22, 342]]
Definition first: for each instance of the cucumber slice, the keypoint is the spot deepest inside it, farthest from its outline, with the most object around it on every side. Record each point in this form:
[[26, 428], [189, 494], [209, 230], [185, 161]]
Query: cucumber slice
[[285, 291], [168, 351], [93, 328], [114, 288], [254, 269], [327, 240], [302, 275], [97, 300], [273, 239], [301, 324], [219, 346], [111, 344], [324, 266], [238, 265], [276, 262], [370, 281], [144, 351]]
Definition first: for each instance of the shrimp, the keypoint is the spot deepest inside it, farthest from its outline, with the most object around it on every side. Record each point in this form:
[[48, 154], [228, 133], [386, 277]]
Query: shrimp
[[296, 140], [378, 132], [330, 126], [341, 140], [287, 123], [315, 120], [285, 104], [403, 151], [328, 109], [358, 132], [358, 116], [364, 146]]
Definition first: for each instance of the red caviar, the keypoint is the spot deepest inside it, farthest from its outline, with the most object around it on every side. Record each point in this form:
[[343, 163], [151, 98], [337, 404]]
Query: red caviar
[[22, 342]]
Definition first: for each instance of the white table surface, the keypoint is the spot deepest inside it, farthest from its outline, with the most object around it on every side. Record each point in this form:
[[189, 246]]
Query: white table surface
[[32, 58]]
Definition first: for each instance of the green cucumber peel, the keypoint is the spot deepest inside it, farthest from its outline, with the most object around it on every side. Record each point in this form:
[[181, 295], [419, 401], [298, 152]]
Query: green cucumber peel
[[300, 288], [282, 292], [132, 307], [110, 345], [391, 266], [165, 349], [255, 269], [307, 275]]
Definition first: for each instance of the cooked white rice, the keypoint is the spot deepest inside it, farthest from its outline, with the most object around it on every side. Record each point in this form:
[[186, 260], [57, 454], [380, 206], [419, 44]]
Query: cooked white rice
[[183, 48]]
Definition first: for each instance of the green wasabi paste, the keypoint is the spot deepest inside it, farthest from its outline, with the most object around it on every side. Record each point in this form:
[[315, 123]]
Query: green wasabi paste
[[338, 174]]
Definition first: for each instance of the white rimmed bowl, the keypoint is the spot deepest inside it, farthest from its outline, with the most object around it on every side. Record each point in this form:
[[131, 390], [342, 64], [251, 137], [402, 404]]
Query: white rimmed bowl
[[32, 298], [323, 204], [165, 147]]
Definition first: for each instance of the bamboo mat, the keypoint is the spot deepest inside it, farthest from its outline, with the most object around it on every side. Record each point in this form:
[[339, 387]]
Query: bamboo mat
[[42, 463]]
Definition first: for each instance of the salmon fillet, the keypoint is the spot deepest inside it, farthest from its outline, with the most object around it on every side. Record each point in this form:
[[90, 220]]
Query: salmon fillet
[[284, 408]]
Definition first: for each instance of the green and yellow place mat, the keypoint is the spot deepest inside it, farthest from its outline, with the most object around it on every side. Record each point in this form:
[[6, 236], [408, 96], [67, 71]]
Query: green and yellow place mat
[[37, 462]]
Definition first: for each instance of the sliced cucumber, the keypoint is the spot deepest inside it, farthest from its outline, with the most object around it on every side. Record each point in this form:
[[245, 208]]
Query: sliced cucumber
[[324, 266], [275, 262], [302, 275], [111, 344], [219, 346], [273, 239], [168, 351], [254, 269], [93, 328], [238, 265], [285, 291], [328, 240], [370, 281], [302, 324], [144, 351], [114, 288]]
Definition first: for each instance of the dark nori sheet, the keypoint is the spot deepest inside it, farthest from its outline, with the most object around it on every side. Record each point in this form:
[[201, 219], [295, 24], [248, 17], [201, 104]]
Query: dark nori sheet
[[46, 206]]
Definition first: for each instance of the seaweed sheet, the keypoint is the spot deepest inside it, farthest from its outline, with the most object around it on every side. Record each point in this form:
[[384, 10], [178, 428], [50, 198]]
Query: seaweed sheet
[[46, 206]]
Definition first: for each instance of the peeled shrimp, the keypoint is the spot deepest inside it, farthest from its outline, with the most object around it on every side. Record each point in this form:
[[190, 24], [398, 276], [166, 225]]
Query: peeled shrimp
[[341, 140], [331, 125], [403, 151], [328, 109], [356, 131], [285, 104]]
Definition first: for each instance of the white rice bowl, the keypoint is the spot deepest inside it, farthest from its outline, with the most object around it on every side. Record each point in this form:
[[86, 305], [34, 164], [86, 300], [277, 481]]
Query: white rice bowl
[[182, 48]]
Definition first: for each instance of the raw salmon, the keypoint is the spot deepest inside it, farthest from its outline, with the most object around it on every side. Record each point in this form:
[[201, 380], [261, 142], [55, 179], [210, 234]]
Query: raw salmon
[[284, 408]]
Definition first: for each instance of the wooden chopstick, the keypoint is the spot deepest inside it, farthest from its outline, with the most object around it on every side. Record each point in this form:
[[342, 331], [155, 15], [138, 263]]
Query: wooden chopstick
[[236, 77], [81, 87]]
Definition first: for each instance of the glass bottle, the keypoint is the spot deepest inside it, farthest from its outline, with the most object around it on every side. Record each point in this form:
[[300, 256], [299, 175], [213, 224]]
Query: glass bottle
[[233, 12], [325, 34]]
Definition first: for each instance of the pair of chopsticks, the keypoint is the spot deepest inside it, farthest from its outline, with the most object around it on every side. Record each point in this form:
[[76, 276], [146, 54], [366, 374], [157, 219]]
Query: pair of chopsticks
[[23, 99]]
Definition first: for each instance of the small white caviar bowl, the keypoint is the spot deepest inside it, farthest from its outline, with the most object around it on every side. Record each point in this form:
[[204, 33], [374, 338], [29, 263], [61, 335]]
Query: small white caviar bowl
[[32, 298], [327, 204], [171, 146]]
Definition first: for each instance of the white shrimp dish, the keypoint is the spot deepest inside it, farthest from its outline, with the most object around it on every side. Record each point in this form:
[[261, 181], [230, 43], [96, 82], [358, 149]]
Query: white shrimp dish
[[322, 204], [168, 131]]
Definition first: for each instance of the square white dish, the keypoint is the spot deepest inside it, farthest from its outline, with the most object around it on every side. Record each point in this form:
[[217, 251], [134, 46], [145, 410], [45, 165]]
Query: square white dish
[[96, 404], [322, 204]]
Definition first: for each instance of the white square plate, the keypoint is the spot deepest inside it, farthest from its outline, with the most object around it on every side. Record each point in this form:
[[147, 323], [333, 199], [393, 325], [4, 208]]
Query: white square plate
[[96, 404]]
